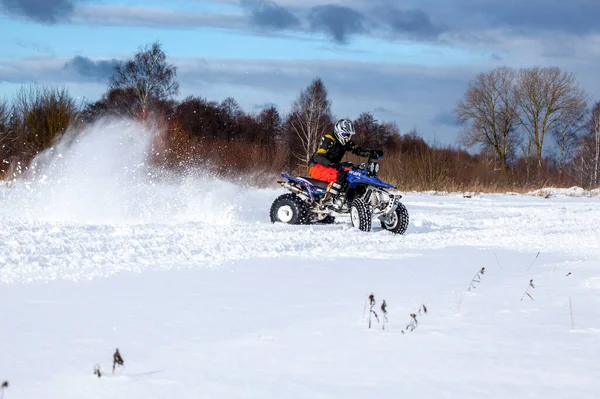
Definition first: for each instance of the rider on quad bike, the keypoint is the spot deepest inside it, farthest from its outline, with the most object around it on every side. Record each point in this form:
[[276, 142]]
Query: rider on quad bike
[[325, 164]]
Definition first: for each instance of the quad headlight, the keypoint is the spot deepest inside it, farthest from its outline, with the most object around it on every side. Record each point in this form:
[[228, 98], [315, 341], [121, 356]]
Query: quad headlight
[[374, 168]]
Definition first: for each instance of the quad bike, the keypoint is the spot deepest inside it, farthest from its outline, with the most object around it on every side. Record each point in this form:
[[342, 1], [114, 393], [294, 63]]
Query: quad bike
[[365, 196]]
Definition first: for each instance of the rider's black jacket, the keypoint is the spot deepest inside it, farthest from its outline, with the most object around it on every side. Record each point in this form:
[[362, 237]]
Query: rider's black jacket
[[330, 151]]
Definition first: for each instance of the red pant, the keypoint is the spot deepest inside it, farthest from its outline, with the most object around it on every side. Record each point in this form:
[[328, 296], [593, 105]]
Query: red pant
[[323, 173]]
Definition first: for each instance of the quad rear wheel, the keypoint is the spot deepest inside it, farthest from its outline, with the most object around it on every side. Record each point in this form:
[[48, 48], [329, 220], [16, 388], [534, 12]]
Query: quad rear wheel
[[289, 209], [398, 223]]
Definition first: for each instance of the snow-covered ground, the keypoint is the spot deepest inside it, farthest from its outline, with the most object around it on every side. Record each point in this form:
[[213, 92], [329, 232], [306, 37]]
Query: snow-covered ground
[[568, 192], [206, 299]]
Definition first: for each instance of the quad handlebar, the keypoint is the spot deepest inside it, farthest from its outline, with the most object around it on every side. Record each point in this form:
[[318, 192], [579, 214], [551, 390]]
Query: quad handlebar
[[370, 166]]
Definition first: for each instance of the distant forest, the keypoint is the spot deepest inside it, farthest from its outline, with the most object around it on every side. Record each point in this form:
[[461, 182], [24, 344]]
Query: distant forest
[[526, 129]]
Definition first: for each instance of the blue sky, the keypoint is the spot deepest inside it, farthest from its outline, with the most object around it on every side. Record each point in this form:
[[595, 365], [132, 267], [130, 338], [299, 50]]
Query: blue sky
[[405, 61]]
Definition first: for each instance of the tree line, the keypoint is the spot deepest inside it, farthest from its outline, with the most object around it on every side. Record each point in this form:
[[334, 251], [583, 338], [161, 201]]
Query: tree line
[[508, 115], [514, 114]]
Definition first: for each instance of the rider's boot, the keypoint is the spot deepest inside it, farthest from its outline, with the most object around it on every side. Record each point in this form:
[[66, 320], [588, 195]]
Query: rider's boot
[[333, 190]]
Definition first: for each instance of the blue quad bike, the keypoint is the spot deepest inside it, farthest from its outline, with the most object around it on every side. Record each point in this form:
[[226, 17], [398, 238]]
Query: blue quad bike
[[366, 196]]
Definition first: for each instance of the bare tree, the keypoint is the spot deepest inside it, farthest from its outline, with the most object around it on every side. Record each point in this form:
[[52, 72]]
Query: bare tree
[[4, 112], [545, 97], [528, 149], [565, 134], [595, 129], [587, 162], [7, 139], [4, 118], [270, 124], [149, 75], [489, 109], [231, 112], [310, 116]]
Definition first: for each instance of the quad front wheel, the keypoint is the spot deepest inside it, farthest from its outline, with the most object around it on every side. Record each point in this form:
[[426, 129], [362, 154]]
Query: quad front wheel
[[398, 221], [360, 215], [289, 209]]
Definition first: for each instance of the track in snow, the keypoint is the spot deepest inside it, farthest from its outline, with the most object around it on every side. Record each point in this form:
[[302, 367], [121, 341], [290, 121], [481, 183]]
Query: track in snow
[[44, 250]]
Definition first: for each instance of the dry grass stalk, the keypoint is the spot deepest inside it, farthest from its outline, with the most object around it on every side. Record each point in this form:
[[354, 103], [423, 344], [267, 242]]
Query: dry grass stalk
[[530, 285], [571, 311], [497, 261], [384, 312], [117, 360], [538, 254], [2, 388], [371, 311], [476, 279], [414, 323], [458, 301]]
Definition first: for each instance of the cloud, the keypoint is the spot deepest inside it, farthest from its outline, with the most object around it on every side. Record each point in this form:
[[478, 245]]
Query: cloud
[[445, 119], [45, 11], [578, 17], [382, 110], [89, 69], [154, 17], [268, 14], [532, 18], [338, 21], [466, 19], [264, 106], [414, 22], [496, 56]]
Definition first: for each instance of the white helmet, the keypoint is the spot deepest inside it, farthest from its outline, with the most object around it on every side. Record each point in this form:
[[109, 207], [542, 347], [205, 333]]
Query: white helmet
[[344, 130]]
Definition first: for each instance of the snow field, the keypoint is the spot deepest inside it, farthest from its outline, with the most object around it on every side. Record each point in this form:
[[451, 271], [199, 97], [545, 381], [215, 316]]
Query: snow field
[[266, 328], [206, 299]]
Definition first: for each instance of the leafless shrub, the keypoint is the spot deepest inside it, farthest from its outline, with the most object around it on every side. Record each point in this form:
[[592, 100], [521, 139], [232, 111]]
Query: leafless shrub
[[45, 114]]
